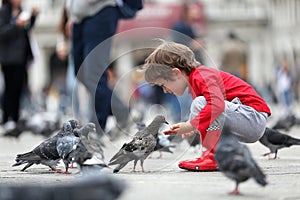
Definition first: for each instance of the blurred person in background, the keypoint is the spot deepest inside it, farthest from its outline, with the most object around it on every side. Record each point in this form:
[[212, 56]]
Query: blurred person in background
[[93, 23], [234, 56], [73, 87], [58, 64], [15, 56], [185, 32], [284, 88]]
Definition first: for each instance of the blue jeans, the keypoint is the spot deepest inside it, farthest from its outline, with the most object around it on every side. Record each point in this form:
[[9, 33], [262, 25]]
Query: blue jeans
[[91, 46]]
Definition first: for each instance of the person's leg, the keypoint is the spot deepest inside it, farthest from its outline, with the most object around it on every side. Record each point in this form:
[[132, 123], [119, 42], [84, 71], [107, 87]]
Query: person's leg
[[120, 111], [77, 48], [18, 84], [7, 93], [206, 162], [96, 31], [76, 65]]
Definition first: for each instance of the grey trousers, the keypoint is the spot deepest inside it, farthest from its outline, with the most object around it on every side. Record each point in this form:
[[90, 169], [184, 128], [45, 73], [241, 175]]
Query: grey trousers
[[245, 122]]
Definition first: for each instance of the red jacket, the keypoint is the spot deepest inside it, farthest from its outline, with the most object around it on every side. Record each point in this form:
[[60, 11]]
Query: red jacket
[[216, 86]]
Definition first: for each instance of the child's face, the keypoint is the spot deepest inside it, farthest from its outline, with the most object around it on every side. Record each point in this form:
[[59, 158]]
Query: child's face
[[176, 85]]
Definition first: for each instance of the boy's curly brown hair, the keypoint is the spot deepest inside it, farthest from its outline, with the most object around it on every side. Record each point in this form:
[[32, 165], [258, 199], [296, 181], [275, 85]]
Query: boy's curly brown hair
[[166, 56]]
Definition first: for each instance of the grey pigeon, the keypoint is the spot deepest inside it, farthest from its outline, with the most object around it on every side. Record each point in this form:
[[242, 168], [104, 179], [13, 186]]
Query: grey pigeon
[[235, 161], [98, 186], [80, 154], [45, 153], [15, 130], [43, 123], [91, 140], [65, 146], [275, 140], [163, 142], [88, 146], [286, 123], [140, 147], [194, 140]]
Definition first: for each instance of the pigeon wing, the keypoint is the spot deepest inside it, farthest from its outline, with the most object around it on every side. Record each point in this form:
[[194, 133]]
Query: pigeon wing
[[66, 145], [93, 144], [275, 137], [47, 149], [126, 153]]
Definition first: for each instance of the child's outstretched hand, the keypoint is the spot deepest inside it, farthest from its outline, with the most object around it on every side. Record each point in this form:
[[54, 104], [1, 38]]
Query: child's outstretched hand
[[180, 128]]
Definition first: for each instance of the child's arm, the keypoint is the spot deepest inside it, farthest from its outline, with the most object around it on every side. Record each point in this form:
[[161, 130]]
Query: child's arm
[[180, 128]]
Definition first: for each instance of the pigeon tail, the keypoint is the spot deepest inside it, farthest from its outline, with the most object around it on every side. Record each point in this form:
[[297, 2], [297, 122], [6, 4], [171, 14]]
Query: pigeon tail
[[25, 158], [259, 176], [166, 149], [119, 167], [120, 160], [293, 141], [119, 153], [261, 180]]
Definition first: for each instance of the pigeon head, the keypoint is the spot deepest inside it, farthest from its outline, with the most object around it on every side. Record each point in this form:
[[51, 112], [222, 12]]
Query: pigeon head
[[74, 123], [158, 121], [67, 126], [89, 127]]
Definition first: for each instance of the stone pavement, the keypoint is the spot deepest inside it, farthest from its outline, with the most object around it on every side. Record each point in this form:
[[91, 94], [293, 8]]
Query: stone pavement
[[165, 180]]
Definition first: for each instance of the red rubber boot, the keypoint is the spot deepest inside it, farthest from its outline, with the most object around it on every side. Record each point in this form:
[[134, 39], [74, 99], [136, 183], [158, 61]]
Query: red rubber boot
[[206, 162]]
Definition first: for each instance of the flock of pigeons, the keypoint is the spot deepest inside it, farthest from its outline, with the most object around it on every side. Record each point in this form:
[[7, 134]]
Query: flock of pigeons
[[72, 144], [76, 144], [38, 123]]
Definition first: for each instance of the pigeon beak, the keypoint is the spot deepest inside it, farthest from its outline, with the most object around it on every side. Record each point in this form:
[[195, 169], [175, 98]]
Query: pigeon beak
[[166, 122]]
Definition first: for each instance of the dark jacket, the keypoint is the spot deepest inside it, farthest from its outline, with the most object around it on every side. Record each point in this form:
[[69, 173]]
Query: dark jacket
[[15, 46]]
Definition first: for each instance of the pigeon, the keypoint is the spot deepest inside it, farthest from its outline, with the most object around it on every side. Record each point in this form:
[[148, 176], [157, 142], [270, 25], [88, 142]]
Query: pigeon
[[140, 147], [91, 140], [92, 187], [45, 153], [194, 141], [15, 130], [275, 140], [43, 123], [235, 161], [163, 142], [286, 123], [65, 146], [80, 145], [79, 155], [89, 145]]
